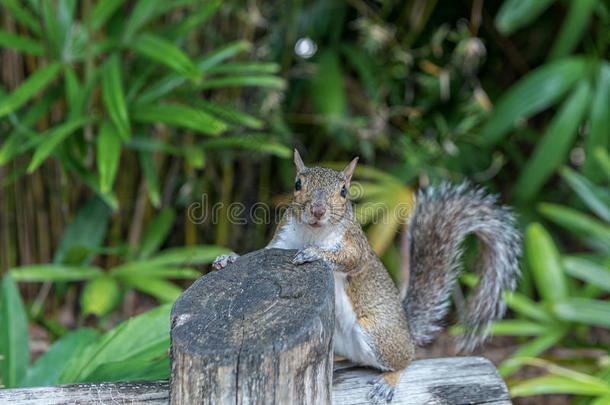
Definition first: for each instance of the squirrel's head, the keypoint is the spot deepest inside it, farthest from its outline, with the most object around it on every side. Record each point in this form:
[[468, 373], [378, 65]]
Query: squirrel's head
[[321, 194]]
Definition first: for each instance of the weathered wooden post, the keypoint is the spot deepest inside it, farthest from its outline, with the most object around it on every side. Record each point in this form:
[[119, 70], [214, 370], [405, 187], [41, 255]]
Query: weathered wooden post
[[259, 331]]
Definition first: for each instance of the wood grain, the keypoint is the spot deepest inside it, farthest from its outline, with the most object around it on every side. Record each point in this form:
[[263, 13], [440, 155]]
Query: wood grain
[[451, 380], [257, 332]]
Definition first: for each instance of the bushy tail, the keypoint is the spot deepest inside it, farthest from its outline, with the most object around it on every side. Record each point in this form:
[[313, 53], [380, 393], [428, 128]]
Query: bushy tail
[[443, 217]]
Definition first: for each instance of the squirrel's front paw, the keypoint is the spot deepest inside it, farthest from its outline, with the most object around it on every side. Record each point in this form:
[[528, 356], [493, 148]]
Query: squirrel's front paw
[[223, 261], [306, 255]]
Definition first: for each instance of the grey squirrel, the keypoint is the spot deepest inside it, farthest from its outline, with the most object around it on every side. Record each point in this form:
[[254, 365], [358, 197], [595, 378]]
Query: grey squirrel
[[377, 325]]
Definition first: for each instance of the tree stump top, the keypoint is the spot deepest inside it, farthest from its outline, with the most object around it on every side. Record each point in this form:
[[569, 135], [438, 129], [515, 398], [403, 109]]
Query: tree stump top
[[255, 304]]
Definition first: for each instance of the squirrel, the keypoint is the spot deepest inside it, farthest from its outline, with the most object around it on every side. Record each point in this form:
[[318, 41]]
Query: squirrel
[[376, 324]]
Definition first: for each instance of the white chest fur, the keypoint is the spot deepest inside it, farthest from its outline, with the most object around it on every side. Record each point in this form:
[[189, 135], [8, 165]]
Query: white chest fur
[[295, 235]]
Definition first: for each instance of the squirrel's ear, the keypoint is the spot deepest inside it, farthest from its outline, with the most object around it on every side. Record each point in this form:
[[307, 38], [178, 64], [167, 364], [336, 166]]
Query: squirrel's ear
[[298, 162], [349, 170]]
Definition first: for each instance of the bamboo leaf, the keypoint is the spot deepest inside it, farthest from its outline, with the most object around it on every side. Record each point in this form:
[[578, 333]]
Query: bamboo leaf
[[146, 269], [162, 290], [114, 98], [245, 68], [131, 370], [516, 14], [216, 56], [239, 81], [54, 272], [102, 11], [588, 271], [588, 192], [554, 384], [583, 310], [51, 365], [23, 15], [599, 134], [20, 43], [142, 13], [530, 349], [536, 91], [552, 150], [526, 307], [33, 85], [152, 180], [603, 160], [14, 349], [231, 115], [108, 155], [584, 225], [164, 52], [100, 296], [572, 29], [201, 254], [517, 327], [156, 233], [543, 258], [180, 116], [52, 139], [256, 142]]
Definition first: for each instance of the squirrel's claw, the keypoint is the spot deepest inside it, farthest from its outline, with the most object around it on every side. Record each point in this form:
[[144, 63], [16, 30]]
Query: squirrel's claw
[[382, 392], [307, 255], [223, 261]]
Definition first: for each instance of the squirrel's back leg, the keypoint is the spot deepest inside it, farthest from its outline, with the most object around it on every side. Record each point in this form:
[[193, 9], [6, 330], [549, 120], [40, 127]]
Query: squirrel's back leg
[[384, 386]]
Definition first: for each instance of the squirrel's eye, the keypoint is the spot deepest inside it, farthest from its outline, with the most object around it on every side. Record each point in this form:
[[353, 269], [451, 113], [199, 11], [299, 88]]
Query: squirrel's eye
[[297, 185], [344, 191]]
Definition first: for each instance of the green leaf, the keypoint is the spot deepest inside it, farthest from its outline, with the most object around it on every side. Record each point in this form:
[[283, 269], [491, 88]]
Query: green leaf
[[526, 307], [131, 370], [245, 67], [162, 290], [114, 98], [588, 271], [151, 270], [586, 226], [544, 261], [14, 338], [603, 160], [552, 150], [216, 56], [144, 337], [152, 180], [49, 367], [257, 142], [142, 13], [108, 155], [54, 272], [194, 19], [23, 15], [530, 349], [592, 196], [180, 116], [34, 84], [102, 11], [52, 138], [327, 87], [517, 327], [536, 91], [188, 255], [162, 51], [515, 14], [231, 115], [87, 229], [572, 29], [195, 156], [20, 43], [554, 384], [100, 296], [599, 134], [240, 81], [583, 310], [156, 233]]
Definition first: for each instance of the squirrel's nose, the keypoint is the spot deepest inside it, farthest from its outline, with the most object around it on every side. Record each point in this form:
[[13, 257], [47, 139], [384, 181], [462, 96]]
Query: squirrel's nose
[[318, 210]]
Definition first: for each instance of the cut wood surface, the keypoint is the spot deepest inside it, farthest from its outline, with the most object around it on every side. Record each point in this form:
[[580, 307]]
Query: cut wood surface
[[451, 380], [258, 331]]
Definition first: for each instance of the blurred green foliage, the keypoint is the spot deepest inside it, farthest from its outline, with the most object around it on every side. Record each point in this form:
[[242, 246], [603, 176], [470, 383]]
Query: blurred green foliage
[[117, 117]]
